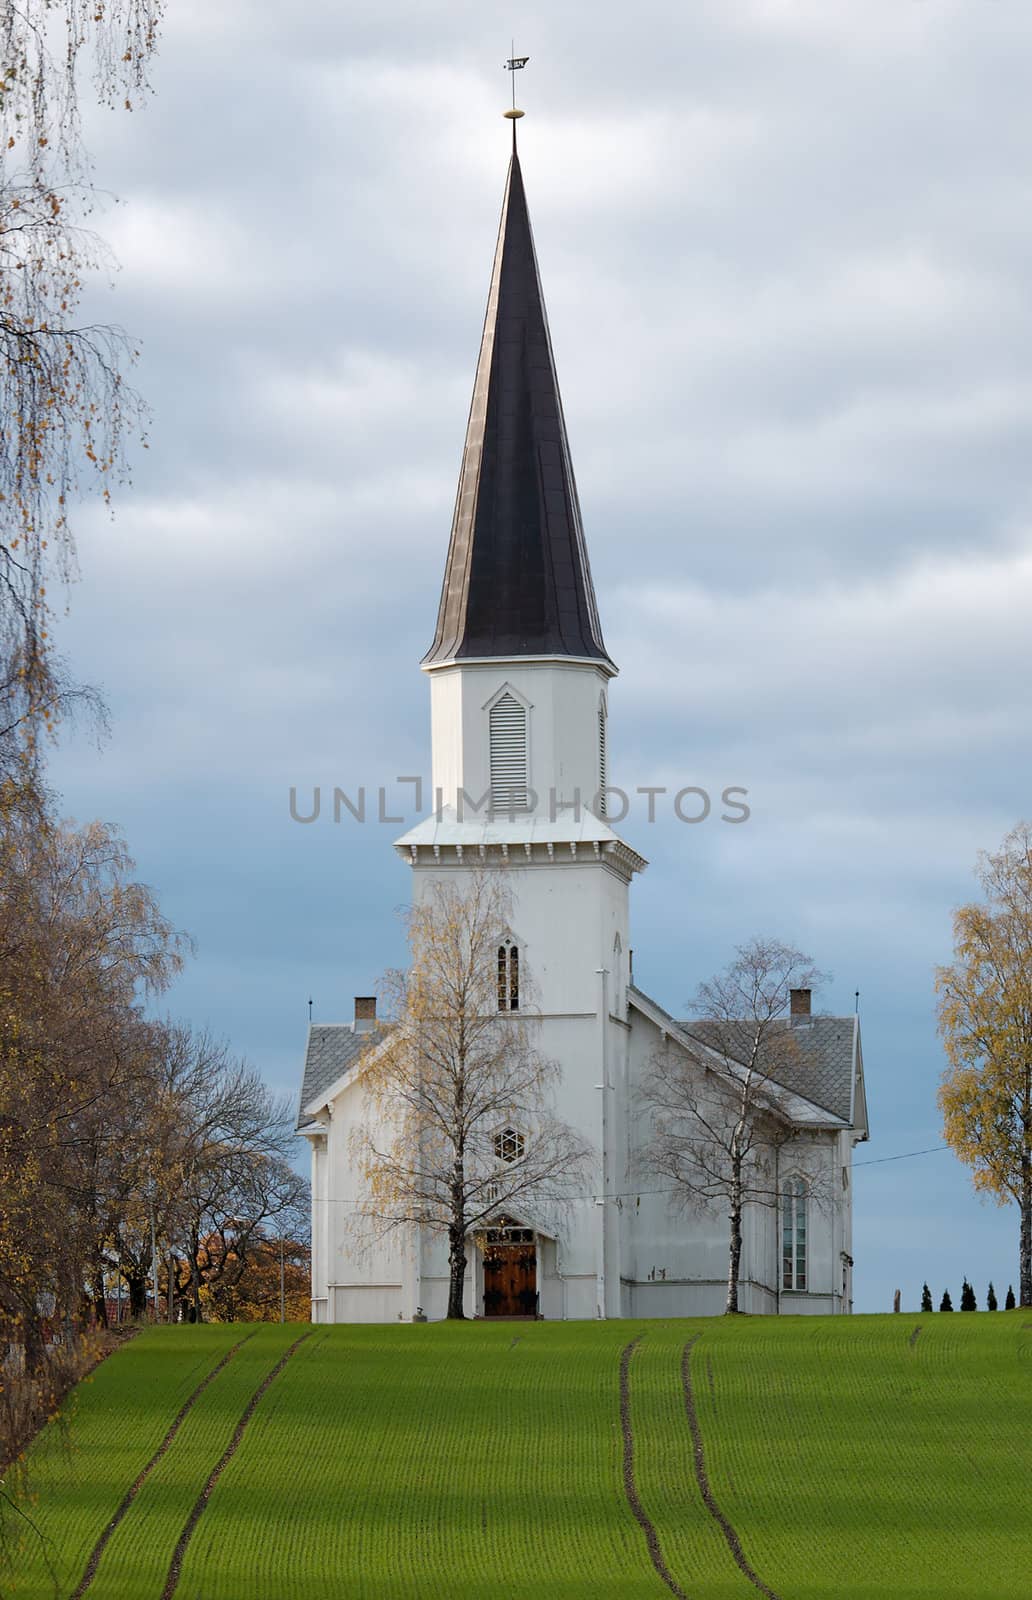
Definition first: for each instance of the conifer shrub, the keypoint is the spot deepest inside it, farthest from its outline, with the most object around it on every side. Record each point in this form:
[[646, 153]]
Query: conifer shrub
[[967, 1298], [1008, 1304], [926, 1299], [990, 1299], [946, 1304]]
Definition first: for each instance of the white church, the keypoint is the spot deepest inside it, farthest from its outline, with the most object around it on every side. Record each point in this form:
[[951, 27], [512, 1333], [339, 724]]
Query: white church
[[519, 692]]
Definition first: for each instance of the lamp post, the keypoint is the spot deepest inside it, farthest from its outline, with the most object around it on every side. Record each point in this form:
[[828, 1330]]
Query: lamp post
[[154, 1250]]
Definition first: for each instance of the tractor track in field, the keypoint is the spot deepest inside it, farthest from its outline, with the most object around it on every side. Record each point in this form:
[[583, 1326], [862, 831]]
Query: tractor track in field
[[914, 1336], [734, 1544], [641, 1516], [90, 1570], [176, 1564]]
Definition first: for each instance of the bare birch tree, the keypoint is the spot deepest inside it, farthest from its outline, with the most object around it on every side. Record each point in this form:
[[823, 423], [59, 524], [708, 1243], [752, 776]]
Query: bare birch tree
[[456, 1069], [716, 1127], [67, 411], [218, 1145]]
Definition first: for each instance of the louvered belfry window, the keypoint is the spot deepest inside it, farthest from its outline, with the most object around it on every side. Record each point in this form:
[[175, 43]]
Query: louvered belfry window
[[508, 739], [602, 777]]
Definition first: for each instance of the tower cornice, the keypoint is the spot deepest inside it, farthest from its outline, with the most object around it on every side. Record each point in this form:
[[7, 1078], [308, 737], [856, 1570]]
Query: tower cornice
[[499, 662]]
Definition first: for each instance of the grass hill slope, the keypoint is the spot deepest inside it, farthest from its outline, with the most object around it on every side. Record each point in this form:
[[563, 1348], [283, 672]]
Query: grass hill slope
[[866, 1457]]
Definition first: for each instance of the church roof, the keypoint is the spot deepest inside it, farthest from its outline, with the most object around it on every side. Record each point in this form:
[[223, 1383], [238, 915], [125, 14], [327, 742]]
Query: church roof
[[824, 1072], [333, 1047], [517, 581], [821, 1067]]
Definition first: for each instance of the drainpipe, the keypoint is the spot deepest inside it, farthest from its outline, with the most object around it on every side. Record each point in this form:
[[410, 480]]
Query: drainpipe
[[777, 1230], [836, 1228], [154, 1251], [603, 1088]]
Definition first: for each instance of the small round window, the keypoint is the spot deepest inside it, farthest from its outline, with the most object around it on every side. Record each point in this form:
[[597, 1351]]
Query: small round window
[[508, 1145]]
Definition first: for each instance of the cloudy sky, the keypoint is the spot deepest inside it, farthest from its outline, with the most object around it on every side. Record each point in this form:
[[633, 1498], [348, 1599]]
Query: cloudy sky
[[786, 248]]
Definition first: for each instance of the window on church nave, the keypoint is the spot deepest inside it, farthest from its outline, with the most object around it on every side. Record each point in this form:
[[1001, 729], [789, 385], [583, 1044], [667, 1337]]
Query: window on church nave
[[508, 976], [507, 740], [508, 1145], [793, 1234]]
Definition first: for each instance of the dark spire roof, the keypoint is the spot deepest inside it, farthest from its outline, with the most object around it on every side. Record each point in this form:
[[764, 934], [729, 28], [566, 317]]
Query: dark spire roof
[[517, 581]]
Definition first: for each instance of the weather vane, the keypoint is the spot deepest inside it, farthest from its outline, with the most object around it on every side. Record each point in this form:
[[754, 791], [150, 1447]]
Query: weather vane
[[514, 64]]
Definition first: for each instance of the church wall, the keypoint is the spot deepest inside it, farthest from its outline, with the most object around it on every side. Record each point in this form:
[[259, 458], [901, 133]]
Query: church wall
[[845, 1280], [320, 1238], [660, 1261], [368, 1302], [817, 1156], [562, 702], [566, 915], [674, 1263], [366, 1278], [566, 918]]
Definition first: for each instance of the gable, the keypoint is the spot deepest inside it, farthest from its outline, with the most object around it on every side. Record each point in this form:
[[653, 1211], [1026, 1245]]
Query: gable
[[821, 1083], [333, 1048], [823, 1072]]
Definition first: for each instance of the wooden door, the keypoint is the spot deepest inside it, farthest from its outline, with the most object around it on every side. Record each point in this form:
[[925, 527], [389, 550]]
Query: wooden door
[[510, 1280]]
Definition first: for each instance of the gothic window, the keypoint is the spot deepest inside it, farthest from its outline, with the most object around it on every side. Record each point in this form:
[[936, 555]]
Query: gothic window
[[508, 976], [793, 1234], [619, 995], [602, 767], [508, 1145], [507, 739]]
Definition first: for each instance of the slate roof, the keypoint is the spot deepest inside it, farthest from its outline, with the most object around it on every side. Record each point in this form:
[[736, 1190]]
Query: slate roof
[[517, 580], [823, 1072], [332, 1048]]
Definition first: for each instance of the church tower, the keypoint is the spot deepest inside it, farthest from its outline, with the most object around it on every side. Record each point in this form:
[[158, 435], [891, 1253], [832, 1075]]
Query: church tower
[[519, 680]]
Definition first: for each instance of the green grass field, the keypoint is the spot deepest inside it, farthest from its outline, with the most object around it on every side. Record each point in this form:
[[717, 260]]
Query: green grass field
[[845, 1457]]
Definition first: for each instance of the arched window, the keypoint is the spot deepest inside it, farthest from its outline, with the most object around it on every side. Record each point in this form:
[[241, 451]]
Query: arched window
[[603, 777], [507, 738], [508, 976], [619, 997], [793, 1234]]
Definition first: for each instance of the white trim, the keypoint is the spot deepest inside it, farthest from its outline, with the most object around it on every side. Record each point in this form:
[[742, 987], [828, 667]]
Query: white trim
[[507, 688], [603, 751], [607, 669]]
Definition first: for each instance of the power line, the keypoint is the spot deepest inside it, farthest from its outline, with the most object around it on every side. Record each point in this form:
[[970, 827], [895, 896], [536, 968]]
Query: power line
[[638, 1194], [906, 1156]]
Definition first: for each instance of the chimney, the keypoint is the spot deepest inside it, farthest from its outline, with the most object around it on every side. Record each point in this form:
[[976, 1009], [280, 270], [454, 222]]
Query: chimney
[[799, 1004], [365, 1013]]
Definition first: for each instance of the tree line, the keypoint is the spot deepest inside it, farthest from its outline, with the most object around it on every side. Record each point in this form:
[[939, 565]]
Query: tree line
[[132, 1150], [968, 1299]]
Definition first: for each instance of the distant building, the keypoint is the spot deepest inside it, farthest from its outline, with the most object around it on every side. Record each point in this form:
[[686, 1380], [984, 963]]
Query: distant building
[[519, 686]]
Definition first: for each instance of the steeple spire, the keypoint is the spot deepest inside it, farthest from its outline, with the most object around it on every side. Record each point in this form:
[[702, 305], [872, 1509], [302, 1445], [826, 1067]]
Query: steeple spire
[[517, 581]]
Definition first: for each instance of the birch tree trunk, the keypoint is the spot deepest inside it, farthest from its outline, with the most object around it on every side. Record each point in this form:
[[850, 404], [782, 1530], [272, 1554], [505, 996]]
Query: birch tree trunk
[[735, 1251]]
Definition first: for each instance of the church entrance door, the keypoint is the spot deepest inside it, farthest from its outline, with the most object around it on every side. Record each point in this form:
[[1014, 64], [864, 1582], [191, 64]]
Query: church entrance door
[[510, 1271]]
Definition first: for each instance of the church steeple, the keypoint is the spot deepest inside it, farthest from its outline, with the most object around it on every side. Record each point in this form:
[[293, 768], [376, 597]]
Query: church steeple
[[517, 583]]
